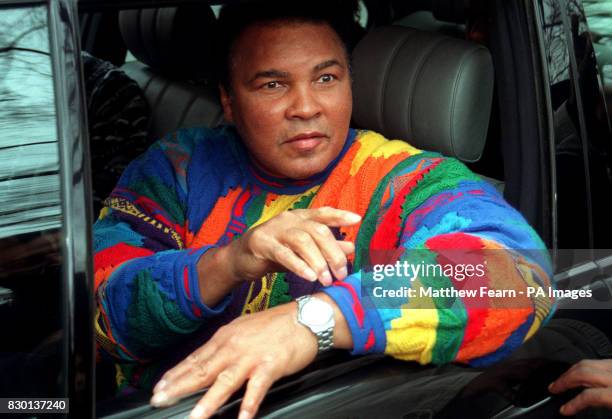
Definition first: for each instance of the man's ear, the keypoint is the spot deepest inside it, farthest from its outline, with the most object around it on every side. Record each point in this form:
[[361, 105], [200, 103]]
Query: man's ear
[[226, 104]]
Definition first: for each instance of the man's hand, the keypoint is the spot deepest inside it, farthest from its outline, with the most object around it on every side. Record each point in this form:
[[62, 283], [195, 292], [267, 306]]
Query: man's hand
[[259, 348], [596, 376], [299, 241]]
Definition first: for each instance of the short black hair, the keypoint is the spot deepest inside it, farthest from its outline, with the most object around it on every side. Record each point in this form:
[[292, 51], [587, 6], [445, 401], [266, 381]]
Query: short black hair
[[340, 15]]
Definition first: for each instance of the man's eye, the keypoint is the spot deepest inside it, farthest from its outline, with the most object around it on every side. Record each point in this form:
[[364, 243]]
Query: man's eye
[[271, 85], [326, 78]]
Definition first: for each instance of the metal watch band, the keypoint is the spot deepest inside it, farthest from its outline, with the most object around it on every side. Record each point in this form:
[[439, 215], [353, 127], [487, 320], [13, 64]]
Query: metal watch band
[[325, 340]]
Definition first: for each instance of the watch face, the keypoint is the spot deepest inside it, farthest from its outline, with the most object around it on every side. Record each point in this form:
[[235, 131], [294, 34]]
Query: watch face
[[316, 312]]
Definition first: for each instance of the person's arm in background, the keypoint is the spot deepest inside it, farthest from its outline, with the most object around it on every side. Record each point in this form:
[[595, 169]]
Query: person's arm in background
[[146, 282], [436, 204], [118, 118], [595, 376]]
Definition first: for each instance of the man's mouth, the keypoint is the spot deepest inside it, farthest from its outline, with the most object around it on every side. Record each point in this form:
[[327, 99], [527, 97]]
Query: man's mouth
[[306, 141]]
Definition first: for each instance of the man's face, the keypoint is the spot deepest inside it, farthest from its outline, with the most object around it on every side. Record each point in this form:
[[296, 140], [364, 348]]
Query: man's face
[[291, 96]]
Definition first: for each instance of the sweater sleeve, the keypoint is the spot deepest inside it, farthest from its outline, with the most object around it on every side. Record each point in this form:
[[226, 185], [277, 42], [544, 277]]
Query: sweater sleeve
[[146, 282], [433, 211]]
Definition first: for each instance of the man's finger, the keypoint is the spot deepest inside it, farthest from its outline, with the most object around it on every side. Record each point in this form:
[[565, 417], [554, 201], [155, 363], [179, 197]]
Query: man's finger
[[596, 364], [330, 216], [285, 257], [201, 376], [198, 377], [346, 246], [195, 366], [227, 382], [329, 248], [198, 356], [257, 387], [581, 376], [592, 397], [304, 245]]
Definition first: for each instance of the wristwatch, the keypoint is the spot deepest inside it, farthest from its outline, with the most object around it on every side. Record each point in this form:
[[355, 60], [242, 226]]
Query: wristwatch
[[318, 316]]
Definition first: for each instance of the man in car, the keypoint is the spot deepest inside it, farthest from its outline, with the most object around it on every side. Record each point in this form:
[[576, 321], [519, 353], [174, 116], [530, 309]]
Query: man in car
[[246, 246]]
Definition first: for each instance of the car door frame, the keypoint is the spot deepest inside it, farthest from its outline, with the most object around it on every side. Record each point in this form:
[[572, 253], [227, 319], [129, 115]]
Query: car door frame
[[76, 194], [593, 267], [78, 350]]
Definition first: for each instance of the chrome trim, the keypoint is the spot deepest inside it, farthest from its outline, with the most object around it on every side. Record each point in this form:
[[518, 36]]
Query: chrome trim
[[584, 137], [539, 21], [76, 207], [517, 412]]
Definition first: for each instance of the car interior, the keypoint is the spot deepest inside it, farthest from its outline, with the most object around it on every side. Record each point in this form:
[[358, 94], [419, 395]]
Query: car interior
[[423, 71], [453, 120], [460, 77], [476, 113], [476, 105]]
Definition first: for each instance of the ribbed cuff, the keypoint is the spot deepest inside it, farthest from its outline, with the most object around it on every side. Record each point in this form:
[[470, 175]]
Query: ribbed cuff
[[365, 325], [188, 287]]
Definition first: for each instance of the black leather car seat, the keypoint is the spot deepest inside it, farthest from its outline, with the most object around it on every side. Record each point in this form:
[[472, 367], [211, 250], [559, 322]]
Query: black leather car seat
[[447, 17], [174, 48], [432, 90]]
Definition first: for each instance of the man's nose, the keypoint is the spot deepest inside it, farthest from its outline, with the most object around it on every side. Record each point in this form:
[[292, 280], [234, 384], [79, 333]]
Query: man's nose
[[304, 104]]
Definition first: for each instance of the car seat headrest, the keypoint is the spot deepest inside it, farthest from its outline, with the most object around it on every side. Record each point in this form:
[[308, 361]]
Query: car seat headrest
[[174, 40], [431, 90]]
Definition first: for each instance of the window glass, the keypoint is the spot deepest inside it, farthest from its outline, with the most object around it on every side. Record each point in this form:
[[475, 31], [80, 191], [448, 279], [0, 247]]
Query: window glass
[[599, 18], [30, 214], [29, 181], [583, 141], [129, 57], [597, 142], [572, 210], [363, 15]]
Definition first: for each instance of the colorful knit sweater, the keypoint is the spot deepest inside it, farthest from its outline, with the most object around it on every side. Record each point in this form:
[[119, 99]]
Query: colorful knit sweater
[[196, 189]]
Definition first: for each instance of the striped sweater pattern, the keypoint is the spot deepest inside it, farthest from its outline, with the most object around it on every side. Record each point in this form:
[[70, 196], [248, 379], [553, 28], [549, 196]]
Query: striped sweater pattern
[[196, 189]]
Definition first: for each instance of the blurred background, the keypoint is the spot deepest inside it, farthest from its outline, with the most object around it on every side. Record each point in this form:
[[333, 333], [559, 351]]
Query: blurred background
[[599, 17]]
